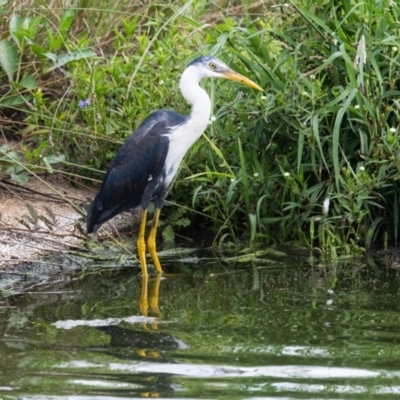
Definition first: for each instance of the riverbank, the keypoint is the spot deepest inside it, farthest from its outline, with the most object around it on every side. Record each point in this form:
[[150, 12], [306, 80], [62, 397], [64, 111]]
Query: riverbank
[[42, 216]]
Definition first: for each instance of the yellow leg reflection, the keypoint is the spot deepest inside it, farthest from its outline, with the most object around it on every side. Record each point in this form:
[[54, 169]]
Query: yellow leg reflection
[[144, 300], [154, 300], [150, 394], [141, 245], [151, 242], [154, 308]]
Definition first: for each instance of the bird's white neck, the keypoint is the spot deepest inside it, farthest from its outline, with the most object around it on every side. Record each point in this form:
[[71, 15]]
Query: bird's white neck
[[199, 99], [182, 137]]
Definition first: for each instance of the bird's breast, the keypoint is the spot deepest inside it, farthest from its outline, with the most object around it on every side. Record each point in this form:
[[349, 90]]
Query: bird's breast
[[173, 161], [180, 141]]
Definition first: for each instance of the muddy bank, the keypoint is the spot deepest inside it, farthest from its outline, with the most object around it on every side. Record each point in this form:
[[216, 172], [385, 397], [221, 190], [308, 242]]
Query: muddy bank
[[48, 215], [39, 217]]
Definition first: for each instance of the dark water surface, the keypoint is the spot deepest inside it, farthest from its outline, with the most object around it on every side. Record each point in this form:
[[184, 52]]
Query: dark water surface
[[265, 329]]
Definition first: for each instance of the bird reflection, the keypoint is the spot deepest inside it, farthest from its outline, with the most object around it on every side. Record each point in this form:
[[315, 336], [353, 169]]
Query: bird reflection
[[147, 342]]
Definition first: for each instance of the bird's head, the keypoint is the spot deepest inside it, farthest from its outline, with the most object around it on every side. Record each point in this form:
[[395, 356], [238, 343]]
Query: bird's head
[[212, 67]]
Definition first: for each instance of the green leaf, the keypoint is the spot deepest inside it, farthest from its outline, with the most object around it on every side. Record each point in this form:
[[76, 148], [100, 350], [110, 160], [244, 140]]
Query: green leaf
[[246, 194], [51, 56], [74, 56], [46, 164], [39, 50], [20, 178], [300, 147], [53, 158], [8, 58], [15, 26], [314, 21], [336, 135], [13, 101], [28, 82], [168, 234], [219, 154], [253, 227], [220, 44], [66, 21], [315, 127]]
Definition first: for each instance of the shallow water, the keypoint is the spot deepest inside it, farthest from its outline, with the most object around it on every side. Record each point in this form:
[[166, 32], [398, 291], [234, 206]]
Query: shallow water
[[267, 329]]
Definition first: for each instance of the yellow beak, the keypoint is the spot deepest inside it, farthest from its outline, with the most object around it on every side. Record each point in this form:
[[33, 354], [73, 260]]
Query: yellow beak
[[234, 76]]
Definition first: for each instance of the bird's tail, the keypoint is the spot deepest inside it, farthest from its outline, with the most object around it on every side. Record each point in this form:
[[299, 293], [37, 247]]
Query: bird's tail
[[101, 211], [93, 216]]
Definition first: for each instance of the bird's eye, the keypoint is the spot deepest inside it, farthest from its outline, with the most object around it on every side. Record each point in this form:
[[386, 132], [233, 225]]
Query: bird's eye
[[212, 65]]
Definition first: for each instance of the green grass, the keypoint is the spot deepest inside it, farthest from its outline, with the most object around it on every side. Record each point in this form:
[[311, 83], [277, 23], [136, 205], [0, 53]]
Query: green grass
[[325, 128]]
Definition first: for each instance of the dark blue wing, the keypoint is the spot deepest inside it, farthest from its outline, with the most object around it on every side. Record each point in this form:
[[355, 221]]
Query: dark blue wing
[[140, 160]]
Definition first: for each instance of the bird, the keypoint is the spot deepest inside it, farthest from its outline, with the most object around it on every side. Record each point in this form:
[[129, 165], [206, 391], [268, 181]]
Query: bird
[[145, 166]]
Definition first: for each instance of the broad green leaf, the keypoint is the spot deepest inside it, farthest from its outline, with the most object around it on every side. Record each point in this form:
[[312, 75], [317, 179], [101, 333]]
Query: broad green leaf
[[28, 82], [8, 58], [39, 50], [12, 101], [26, 23], [14, 27], [66, 21], [74, 56], [53, 158], [20, 178], [51, 56], [53, 41], [9, 156]]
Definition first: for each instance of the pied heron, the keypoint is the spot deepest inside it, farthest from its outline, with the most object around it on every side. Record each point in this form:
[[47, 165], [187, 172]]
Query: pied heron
[[147, 163]]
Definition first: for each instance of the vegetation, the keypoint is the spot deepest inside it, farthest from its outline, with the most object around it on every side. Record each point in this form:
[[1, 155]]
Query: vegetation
[[313, 161]]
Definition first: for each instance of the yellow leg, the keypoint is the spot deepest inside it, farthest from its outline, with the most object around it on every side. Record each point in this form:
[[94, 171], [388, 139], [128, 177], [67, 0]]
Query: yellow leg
[[141, 244], [151, 242]]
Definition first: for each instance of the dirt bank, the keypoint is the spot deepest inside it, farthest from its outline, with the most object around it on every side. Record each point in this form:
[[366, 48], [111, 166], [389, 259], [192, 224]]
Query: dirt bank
[[39, 217]]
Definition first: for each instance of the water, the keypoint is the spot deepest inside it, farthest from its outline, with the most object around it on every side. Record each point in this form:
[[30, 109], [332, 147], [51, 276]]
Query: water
[[265, 329]]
